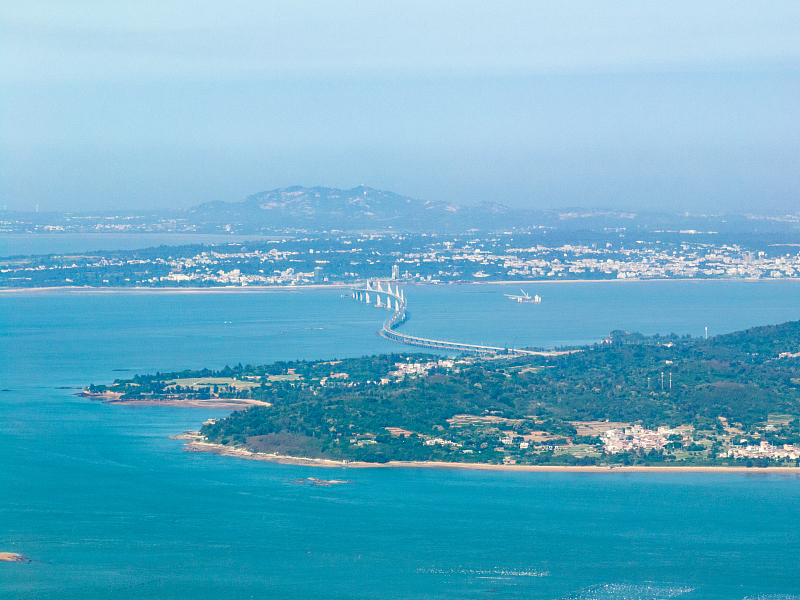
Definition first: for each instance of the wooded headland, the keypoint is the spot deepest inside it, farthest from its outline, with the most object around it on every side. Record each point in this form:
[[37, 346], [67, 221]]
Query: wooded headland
[[731, 400]]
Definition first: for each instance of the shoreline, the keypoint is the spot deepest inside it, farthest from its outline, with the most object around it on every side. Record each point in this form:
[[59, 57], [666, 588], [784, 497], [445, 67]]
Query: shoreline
[[254, 289], [176, 290], [233, 404], [211, 404], [194, 445], [14, 557]]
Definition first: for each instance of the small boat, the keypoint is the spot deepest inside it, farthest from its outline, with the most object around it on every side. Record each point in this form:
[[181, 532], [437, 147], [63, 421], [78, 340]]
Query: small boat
[[525, 298]]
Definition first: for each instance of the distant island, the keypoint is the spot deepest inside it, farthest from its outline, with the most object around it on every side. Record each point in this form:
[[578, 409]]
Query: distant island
[[664, 401]]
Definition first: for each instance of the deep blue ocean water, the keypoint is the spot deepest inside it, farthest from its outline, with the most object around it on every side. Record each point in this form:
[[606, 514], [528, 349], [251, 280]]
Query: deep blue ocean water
[[110, 507]]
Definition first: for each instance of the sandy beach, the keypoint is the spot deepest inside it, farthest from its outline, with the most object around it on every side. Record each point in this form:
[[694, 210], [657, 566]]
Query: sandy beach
[[196, 445], [248, 289], [216, 403], [226, 403], [108, 396]]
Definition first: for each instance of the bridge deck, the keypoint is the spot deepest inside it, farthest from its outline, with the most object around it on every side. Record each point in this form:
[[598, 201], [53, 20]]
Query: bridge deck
[[399, 317]]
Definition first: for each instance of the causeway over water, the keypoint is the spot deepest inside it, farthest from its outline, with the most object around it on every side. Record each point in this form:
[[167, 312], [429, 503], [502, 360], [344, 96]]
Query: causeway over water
[[394, 300]]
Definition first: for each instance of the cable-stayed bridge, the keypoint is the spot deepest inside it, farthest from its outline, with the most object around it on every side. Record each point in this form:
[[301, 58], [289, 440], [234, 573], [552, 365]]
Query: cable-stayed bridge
[[383, 296]]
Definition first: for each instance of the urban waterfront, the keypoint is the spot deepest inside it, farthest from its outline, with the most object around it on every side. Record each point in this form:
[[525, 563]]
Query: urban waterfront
[[108, 505], [216, 261]]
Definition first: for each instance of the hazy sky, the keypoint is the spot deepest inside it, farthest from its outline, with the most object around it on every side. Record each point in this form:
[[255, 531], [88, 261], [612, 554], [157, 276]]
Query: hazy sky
[[633, 105]]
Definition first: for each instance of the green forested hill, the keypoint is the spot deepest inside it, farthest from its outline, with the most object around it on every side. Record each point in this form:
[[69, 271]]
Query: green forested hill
[[459, 410]]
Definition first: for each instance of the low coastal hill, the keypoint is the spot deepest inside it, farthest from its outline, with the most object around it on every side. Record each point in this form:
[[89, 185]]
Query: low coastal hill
[[363, 208], [731, 400], [357, 209]]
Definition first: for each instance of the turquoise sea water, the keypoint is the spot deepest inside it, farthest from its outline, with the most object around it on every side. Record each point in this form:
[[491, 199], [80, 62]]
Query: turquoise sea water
[[110, 507]]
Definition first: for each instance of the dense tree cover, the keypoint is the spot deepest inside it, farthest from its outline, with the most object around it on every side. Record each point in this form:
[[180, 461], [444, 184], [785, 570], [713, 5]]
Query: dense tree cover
[[740, 377]]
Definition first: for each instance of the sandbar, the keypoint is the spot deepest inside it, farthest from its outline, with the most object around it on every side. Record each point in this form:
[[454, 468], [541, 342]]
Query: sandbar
[[226, 403], [177, 290], [12, 557], [343, 286], [217, 403]]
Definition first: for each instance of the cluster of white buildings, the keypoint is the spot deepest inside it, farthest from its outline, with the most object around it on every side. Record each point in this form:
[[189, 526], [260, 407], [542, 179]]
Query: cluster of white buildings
[[638, 438], [639, 260], [236, 277], [200, 268], [362, 442], [523, 445], [442, 442], [420, 369], [643, 262], [766, 450]]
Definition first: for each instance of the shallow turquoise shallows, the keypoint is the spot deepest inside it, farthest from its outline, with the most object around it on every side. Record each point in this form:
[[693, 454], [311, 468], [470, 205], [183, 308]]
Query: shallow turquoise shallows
[[109, 507]]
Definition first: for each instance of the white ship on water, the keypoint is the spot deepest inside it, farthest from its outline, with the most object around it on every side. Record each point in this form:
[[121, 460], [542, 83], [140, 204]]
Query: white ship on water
[[525, 298]]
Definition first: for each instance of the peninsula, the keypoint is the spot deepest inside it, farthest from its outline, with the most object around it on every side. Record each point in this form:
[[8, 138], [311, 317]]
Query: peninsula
[[731, 401]]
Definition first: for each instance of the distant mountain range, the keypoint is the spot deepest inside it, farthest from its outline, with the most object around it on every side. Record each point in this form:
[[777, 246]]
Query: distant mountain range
[[320, 209], [364, 209], [360, 208]]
